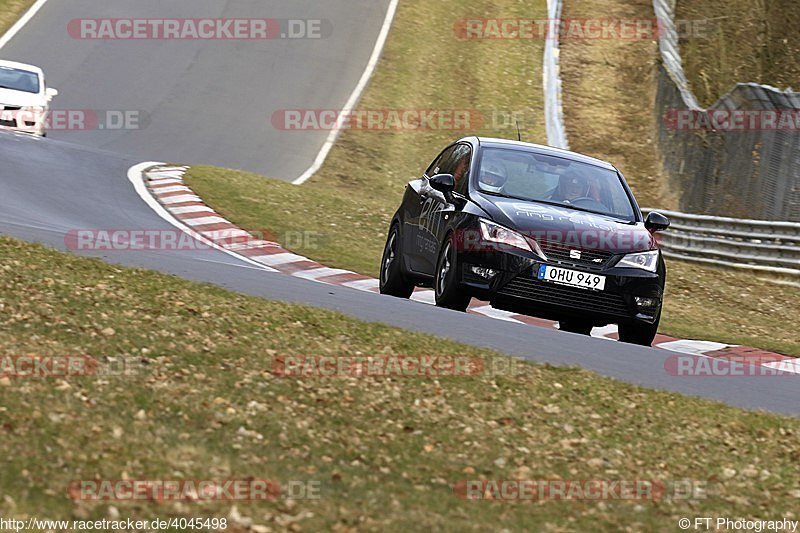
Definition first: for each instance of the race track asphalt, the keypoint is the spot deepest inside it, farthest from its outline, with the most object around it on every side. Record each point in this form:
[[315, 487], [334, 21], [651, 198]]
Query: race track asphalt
[[203, 101]]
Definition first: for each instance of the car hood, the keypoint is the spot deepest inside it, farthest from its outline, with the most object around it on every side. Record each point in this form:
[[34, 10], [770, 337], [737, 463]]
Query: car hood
[[576, 229], [21, 98]]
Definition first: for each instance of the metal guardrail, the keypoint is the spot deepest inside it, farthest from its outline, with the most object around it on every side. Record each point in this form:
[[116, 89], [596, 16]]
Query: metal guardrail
[[739, 243]]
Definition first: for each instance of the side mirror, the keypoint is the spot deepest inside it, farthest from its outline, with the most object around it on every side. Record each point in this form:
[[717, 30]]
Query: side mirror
[[656, 222], [50, 92], [444, 183]]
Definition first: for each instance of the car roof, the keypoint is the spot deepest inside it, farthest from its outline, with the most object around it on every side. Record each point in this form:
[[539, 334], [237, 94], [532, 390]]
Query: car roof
[[542, 149], [22, 66]]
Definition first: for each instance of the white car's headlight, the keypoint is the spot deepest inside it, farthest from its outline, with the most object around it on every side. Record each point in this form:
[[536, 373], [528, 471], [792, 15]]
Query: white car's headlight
[[31, 113], [496, 233], [644, 260], [34, 110]]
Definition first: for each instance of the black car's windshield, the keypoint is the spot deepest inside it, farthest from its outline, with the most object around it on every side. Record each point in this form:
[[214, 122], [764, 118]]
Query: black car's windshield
[[19, 80], [518, 173]]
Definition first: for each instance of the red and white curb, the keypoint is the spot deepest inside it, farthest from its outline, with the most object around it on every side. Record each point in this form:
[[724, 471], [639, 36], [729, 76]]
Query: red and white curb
[[162, 187]]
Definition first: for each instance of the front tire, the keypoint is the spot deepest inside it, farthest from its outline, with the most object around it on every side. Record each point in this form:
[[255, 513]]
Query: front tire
[[392, 281], [448, 291], [639, 333]]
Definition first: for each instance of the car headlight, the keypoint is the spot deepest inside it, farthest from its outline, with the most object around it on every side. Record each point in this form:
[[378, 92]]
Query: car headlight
[[32, 113], [496, 233], [644, 260]]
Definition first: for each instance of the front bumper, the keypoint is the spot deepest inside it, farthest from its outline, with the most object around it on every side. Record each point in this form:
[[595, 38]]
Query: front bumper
[[515, 287], [22, 122]]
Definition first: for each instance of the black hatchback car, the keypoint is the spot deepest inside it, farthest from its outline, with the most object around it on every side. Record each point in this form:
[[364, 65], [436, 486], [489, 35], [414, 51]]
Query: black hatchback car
[[534, 230]]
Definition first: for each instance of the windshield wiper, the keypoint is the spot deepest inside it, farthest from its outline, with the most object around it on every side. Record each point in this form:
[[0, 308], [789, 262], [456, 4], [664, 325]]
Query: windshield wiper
[[607, 215], [492, 193], [568, 206], [585, 210]]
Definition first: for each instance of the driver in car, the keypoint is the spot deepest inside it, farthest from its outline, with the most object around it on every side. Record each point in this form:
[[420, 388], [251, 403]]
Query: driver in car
[[461, 169], [493, 176], [571, 186]]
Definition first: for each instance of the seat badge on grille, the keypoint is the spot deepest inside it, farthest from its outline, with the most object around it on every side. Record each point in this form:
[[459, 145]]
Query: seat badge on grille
[[574, 254]]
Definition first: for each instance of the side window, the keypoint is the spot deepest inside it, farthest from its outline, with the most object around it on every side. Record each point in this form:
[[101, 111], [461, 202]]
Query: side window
[[439, 164], [450, 159], [459, 168]]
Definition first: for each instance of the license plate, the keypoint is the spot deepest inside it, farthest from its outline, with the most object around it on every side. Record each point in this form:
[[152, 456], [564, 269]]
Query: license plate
[[573, 278], [7, 115]]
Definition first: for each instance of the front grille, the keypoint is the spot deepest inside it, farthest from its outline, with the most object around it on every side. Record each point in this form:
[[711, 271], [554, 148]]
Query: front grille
[[527, 287], [558, 253], [11, 122]]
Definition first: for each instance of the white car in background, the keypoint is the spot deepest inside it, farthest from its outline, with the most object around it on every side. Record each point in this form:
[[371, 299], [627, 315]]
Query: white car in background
[[24, 98]]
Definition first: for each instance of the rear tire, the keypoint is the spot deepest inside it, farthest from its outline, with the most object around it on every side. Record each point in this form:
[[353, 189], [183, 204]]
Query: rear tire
[[392, 281], [448, 291], [581, 327], [642, 334]]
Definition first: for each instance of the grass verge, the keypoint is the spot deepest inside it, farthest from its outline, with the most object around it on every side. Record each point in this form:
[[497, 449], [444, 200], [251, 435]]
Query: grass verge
[[386, 451], [10, 11], [740, 41]]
